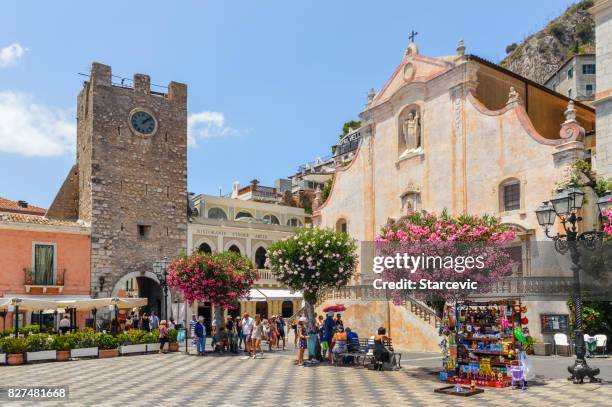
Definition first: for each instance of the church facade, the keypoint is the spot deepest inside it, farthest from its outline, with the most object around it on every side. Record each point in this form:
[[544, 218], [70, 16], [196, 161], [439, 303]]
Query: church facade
[[461, 134]]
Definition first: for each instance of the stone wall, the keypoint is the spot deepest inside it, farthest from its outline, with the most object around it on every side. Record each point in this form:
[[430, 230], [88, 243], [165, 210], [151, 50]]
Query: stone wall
[[66, 202], [129, 179]]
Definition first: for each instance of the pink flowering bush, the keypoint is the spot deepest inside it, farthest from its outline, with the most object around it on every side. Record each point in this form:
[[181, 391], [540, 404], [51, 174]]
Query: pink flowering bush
[[220, 278], [447, 241], [607, 214]]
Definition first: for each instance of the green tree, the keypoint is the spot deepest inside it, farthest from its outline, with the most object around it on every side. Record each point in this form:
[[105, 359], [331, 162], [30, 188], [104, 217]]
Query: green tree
[[313, 260], [353, 124]]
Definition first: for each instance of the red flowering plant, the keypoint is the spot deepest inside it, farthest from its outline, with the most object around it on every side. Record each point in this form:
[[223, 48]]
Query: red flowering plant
[[220, 278], [432, 249]]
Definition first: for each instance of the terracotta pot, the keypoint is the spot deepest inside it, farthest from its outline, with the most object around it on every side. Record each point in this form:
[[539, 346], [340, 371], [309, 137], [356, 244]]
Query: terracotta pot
[[173, 347], [14, 359], [108, 353], [63, 355]]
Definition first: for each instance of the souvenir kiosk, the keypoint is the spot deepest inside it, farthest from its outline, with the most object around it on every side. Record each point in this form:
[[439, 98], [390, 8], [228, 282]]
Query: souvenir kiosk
[[483, 342]]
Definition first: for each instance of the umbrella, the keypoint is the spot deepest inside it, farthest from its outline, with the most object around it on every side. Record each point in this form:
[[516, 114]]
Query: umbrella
[[334, 308]]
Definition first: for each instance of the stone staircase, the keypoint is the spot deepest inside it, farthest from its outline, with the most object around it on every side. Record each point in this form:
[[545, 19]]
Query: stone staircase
[[369, 293]]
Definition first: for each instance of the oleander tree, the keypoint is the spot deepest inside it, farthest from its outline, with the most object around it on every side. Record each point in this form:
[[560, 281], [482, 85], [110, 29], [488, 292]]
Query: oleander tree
[[311, 261], [219, 278], [452, 239]]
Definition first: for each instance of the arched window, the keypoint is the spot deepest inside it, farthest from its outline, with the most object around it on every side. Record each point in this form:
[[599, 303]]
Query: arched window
[[510, 195], [295, 222], [260, 258], [243, 214], [287, 309], [234, 248], [341, 225], [217, 213], [271, 219], [205, 248]]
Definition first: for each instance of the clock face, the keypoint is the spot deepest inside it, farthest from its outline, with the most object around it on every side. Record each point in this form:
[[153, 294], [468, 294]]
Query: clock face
[[143, 122]]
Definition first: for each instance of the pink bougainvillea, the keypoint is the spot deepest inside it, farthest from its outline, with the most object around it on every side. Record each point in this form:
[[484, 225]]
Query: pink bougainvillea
[[448, 241], [607, 214], [220, 278]]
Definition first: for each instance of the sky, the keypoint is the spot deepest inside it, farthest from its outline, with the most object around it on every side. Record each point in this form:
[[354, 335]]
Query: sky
[[270, 82]]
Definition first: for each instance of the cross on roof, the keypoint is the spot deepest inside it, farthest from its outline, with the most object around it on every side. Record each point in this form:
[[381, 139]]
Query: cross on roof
[[412, 35]]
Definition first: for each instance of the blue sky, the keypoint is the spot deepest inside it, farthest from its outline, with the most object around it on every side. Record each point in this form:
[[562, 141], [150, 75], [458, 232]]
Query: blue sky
[[270, 82]]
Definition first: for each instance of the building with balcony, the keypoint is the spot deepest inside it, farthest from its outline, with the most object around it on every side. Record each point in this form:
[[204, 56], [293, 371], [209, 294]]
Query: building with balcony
[[575, 78], [42, 258], [248, 227]]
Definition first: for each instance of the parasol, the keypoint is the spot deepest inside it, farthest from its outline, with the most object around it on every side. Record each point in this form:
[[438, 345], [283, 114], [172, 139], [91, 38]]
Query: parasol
[[334, 308]]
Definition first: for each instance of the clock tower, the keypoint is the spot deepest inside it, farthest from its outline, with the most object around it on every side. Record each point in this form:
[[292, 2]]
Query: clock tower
[[132, 176]]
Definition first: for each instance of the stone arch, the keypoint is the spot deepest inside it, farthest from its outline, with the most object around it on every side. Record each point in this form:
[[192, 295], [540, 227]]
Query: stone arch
[[236, 243], [135, 274], [342, 225], [259, 257], [217, 213], [198, 242]]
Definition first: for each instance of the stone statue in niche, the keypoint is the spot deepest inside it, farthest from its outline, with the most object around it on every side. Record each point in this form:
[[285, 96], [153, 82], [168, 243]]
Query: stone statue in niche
[[411, 130]]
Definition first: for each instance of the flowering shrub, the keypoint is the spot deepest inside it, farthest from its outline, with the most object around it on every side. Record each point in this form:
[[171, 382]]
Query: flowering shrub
[[607, 214], [450, 239], [312, 260], [220, 278]]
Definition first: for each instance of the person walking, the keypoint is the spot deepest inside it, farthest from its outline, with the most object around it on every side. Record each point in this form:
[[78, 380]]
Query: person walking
[[64, 325], [214, 334], [192, 325], [256, 336], [171, 324], [302, 341], [145, 322], [200, 335], [238, 325], [247, 324], [294, 325], [153, 321], [280, 328], [135, 321], [163, 332]]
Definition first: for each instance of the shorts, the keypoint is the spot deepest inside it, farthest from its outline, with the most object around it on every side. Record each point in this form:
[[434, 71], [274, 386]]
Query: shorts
[[324, 345], [281, 334], [303, 344]]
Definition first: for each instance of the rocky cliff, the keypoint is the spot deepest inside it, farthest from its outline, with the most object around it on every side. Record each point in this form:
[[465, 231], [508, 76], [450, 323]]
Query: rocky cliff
[[538, 56]]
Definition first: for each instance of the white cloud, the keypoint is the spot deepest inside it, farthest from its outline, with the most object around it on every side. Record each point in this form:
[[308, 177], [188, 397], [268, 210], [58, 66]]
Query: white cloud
[[9, 55], [31, 130], [205, 125]]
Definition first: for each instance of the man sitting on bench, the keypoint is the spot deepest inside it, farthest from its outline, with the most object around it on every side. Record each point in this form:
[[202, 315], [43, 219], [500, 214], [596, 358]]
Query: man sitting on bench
[[353, 340]]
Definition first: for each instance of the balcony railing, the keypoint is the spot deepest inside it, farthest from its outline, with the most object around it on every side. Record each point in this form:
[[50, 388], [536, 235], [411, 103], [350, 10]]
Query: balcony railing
[[37, 287], [265, 276]]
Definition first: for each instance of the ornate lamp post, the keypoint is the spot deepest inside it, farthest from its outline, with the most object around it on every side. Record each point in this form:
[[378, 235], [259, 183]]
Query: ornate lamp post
[[160, 269], [565, 206]]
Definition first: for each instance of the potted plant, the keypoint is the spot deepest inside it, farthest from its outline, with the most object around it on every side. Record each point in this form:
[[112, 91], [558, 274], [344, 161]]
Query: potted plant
[[85, 345], [107, 345], [152, 340], [62, 344], [39, 348], [528, 346], [132, 342], [173, 345], [14, 349]]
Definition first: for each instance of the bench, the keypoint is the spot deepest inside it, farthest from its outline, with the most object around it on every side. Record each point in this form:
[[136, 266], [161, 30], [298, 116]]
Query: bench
[[364, 356]]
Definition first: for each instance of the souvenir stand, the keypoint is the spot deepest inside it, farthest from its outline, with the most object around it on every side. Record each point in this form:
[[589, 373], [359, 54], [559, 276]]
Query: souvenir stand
[[482, 343]]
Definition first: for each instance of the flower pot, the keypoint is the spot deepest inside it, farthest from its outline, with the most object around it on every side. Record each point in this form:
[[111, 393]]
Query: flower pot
[[14, 359], [84, 352], [41, 355], [152, 347], [173, 347], [128, 349], [108, 353], [2, 358], [63, 355]]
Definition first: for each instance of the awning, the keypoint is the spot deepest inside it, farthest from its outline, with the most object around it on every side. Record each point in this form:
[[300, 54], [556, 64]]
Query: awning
[[80, 303], [280, 294], [254, 295]]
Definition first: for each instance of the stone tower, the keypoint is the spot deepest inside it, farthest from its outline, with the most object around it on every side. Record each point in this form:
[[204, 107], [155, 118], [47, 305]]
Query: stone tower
[[132, 174], [602, 14]]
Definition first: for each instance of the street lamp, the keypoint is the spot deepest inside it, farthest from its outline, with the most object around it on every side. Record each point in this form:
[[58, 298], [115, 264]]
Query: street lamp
[[160, 269], [565, 205]]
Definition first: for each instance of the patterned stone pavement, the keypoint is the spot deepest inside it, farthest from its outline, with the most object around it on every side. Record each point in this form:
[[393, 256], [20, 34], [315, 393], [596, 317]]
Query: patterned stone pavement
[[177, 379]]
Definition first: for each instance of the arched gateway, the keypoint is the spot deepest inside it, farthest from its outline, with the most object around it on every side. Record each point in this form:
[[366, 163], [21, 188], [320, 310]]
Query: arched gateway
[[146, 286]]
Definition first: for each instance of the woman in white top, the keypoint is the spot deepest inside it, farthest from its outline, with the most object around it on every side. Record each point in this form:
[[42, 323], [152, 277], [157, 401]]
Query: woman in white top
[[256, 335]]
